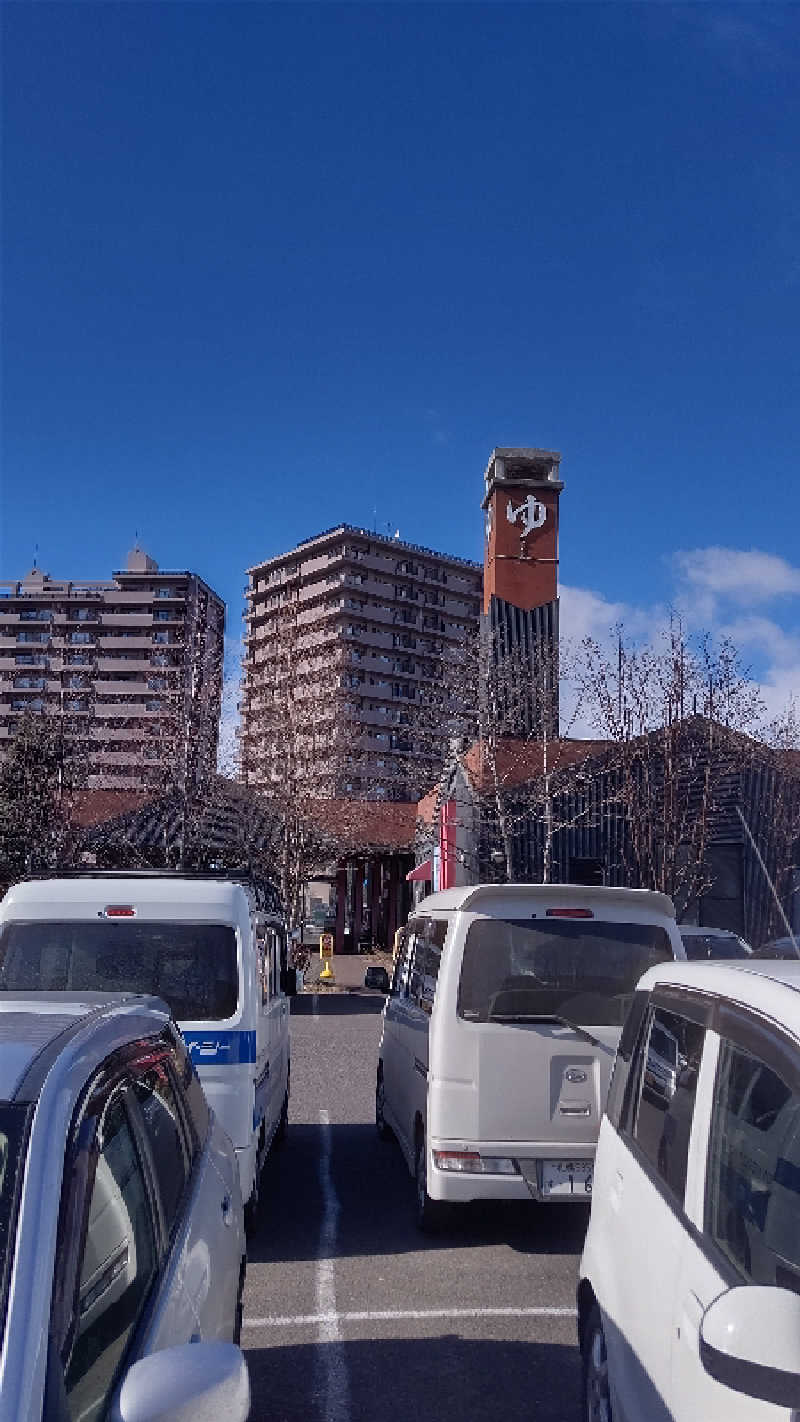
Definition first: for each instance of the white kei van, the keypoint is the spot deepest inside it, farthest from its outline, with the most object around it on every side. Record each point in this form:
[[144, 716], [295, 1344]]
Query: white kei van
[[213, 948], [500, 1030]]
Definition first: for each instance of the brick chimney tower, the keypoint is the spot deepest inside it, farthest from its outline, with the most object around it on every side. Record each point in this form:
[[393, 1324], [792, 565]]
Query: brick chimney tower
[[520, 588]]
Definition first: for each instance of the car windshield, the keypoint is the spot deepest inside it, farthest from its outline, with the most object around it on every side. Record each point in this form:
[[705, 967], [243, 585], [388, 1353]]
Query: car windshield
[[192, 966], [579, 970], [714, 945], [14, 1119]]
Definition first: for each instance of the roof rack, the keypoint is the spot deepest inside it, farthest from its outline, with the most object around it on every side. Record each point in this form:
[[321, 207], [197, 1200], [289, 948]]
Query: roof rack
[[266, 894]]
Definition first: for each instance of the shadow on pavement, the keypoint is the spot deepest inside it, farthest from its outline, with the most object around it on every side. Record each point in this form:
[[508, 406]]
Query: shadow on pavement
[[444, 1379], [338, 1004], [376, 1194]]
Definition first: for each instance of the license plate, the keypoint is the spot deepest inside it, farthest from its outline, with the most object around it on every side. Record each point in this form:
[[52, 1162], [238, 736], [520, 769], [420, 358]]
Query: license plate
[[566, 1179]]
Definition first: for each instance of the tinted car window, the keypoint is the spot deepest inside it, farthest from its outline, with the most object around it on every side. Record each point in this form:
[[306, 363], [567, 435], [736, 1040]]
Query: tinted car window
[[192, 1094], [160, 1113], [753, 1177], [581, 969], [714, 945], [617, 1106], [191, 965], [672, 1051], [117, 1268], [14, 1121]]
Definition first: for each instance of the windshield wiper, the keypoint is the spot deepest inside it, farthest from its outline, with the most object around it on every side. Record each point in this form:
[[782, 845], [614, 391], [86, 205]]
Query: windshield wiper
[[546, 1017]]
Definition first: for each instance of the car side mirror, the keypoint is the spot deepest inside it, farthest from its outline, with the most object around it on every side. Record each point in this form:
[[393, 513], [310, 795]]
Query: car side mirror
[[186, 1384], [748, 1342], [289, 981]]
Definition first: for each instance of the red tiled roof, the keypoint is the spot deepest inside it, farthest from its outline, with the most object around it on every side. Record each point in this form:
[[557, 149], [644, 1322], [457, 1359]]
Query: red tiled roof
[[365, 824], [95, 807], [518, 761]]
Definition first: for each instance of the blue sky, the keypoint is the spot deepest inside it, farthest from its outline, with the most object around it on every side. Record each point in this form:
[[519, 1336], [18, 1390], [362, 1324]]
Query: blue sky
[[269, 267]]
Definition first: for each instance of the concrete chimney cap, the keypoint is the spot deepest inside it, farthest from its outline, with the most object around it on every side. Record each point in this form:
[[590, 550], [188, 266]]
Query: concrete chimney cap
[[521, 466]]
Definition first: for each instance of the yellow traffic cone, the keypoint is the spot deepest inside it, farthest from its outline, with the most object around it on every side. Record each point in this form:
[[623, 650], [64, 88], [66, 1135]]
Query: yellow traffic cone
[[326, 976]]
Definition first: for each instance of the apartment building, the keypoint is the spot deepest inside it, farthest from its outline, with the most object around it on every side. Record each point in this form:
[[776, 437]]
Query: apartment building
[[352, 648], [132, 665]]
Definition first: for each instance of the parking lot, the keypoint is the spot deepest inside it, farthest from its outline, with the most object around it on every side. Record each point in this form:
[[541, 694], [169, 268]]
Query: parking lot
[[350, 1312]]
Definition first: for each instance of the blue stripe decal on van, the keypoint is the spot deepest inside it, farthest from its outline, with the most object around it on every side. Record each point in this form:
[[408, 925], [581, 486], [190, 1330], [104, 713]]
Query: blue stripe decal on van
[[221, 1048]]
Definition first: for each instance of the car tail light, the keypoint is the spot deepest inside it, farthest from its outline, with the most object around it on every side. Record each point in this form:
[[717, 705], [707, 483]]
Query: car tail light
[[569, 913], [468, 1162], [119, 911]]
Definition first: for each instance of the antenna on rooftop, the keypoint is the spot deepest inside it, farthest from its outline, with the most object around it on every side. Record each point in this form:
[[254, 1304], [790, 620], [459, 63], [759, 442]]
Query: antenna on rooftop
[[35, 555]]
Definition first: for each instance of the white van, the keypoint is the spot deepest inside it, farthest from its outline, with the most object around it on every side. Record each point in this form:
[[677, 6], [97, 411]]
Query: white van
[[213, 948], [500, 1030]]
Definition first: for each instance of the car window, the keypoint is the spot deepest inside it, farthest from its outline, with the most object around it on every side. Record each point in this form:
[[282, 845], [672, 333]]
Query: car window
[[116, 1268], [161, 1116], [14, 1123], [416, 974], [435, 934], [191, 1093], [672, 1049], [584, 970], [193, 966], [714, 945], [400, 976], [429, 935], [753, 1176], [619, 1093]]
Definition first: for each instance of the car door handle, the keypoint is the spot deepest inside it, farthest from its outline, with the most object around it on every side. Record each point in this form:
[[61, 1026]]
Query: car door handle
[[227, 1210]]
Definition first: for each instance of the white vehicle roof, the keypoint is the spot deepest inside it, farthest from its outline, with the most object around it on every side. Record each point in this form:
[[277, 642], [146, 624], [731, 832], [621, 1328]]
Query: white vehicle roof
[[152, 896], [769, 986], [497, 899]]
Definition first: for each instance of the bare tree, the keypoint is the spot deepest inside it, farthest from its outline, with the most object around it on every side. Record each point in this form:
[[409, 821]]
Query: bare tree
[[41, 769], [681, 714]]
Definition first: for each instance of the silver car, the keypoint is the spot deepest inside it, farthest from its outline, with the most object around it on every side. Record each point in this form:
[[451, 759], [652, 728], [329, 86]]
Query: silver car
[[122, 1252]]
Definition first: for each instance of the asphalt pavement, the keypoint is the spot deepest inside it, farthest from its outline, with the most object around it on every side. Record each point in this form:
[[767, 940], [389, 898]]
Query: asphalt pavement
[[351, 1313]]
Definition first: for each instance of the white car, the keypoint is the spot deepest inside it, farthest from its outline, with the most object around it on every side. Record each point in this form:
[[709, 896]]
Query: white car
[[210, 946], [713, 943], [689, 1292], [499, 1035], [122, 1247]]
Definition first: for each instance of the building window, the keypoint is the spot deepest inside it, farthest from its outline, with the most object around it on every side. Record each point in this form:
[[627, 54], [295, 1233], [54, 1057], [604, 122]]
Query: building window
[[80, 637], [162, 614], [161, 637], [35, 614], [33, 636]]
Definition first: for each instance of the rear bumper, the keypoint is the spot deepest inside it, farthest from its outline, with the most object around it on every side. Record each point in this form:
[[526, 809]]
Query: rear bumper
[[460, 1188]]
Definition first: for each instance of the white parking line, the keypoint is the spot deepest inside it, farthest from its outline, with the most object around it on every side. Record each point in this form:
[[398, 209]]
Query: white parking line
[[389, 1315], [330, 1361]]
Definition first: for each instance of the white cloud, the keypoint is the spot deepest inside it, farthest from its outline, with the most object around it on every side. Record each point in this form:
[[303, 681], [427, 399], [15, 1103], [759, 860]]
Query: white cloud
[[715, 591], [745, 577]]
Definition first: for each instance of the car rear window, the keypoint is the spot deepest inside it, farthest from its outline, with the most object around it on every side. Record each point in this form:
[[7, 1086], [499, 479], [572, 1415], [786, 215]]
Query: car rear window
[[14, 1122], [192, 966], [714, 945], [585, 971]]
